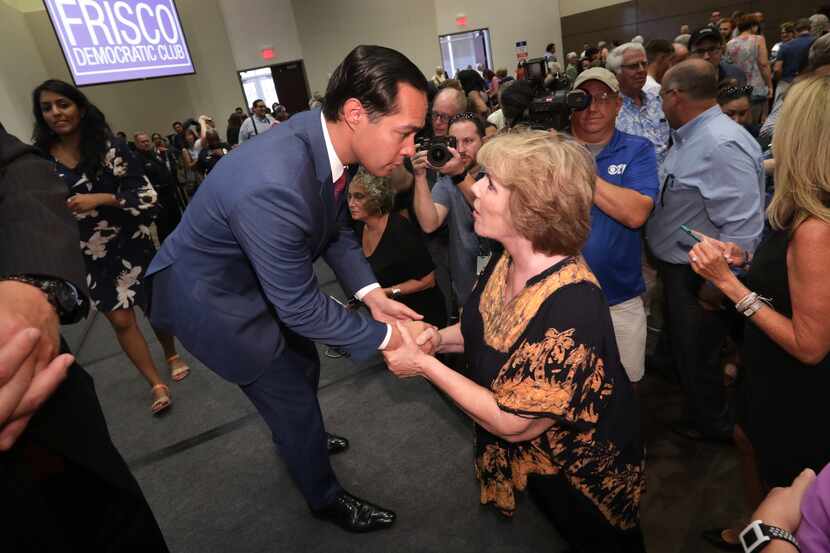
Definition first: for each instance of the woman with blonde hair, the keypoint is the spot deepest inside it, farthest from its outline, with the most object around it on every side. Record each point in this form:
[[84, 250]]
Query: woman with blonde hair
[[554, 410], [786, 299]]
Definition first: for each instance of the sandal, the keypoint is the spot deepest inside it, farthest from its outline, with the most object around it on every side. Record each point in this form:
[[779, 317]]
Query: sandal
[[178, 368], [163, 400]]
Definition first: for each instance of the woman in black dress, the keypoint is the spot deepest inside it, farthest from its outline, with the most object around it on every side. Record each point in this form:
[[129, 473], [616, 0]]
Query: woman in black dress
[[114, 205], [782, 420], [554, 410], [394, 249]]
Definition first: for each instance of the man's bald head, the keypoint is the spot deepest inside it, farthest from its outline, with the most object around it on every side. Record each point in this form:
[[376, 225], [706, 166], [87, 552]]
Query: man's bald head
[[696, 78], [448, 101]]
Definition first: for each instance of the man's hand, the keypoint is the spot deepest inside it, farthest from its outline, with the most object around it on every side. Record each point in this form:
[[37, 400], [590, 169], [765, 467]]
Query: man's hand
[[387, 310], [429, 340], [420, 163], [782, 506], [82, 203], [454, 166], [23, 388]]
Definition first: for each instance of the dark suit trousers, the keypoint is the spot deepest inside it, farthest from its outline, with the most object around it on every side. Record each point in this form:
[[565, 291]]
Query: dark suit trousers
[[696, 336], [286, 397]]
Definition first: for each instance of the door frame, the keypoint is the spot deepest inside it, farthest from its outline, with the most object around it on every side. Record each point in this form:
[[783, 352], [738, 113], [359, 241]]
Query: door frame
[[271, 66], [488, 48]]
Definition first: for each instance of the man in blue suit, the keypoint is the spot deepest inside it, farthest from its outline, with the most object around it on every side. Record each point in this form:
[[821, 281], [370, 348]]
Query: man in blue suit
[[235, 282]]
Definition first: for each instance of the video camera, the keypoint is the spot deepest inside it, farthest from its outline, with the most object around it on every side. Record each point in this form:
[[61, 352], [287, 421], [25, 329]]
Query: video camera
[[553, 101], [437, 148]]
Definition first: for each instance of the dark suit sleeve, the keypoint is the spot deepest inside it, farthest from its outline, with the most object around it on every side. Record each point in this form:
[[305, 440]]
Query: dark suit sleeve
[[271, 225], [38, 234], [345, 256]]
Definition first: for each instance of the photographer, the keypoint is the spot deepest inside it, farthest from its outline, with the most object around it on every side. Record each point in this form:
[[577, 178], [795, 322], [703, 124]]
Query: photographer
[[210, 154], [626, 185], [451, 199]]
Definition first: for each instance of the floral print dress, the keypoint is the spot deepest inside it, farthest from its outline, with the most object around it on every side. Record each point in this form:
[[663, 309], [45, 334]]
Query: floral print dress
[[551, 352], [115, 241]]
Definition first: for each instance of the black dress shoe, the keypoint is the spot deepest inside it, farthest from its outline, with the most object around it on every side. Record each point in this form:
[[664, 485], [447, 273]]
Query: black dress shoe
[[336, 444], [356, 515]]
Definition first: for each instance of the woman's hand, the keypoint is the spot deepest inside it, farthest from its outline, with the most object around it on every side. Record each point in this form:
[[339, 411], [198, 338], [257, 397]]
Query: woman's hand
[[82, 203], [429, 340], [735, 255], [782, 506], [709, 261], [407, 360]]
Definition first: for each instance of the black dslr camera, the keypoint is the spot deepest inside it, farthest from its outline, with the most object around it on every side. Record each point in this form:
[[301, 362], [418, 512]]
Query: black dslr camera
[[552, 102], [437, 148]]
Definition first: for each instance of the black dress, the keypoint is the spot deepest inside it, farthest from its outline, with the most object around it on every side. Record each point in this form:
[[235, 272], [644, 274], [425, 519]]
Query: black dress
[[400, 256], [551, 352], [782, 399], [115, 241]]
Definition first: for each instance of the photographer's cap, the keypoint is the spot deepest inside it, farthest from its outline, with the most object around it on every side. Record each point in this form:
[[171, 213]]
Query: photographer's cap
[[704, 33], [598, 74]]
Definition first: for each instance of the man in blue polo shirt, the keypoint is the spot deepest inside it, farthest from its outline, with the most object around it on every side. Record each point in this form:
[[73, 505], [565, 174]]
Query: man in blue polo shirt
[[792, 57], [625, 189]]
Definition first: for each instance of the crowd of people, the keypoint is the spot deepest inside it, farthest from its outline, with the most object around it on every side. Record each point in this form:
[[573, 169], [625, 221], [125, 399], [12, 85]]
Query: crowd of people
[[510, 263]]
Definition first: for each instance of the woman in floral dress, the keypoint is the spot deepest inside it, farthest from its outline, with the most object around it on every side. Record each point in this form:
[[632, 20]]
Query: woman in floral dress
[[114, 204]]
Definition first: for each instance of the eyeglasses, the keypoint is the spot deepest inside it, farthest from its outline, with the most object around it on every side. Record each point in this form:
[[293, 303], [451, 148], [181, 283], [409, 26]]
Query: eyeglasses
[[703, 51], [636, 66], [604, 99], [439, 116]]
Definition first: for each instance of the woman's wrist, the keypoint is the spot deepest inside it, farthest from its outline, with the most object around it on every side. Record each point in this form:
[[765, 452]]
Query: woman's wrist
[[732, 288]]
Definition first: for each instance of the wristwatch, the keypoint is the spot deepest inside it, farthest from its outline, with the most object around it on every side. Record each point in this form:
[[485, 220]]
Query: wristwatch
[[758, 535], [70, 305], [396, 293]]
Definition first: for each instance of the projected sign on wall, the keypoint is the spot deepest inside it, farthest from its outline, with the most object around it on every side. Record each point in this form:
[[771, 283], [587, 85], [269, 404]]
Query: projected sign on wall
[[107, 41]]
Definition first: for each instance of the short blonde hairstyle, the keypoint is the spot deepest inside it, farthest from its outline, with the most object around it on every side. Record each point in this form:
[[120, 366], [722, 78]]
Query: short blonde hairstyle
[[802, 149], [380, 198], [551, 180]]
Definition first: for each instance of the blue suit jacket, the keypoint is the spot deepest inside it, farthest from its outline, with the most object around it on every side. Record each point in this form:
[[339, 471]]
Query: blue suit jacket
[[239, 267]]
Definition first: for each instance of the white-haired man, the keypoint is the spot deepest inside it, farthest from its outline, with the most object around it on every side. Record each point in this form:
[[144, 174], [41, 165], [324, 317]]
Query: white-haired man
[[642, 112]]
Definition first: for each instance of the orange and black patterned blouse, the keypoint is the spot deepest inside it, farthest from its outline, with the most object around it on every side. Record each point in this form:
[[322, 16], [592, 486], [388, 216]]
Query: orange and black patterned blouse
[[551, 352]]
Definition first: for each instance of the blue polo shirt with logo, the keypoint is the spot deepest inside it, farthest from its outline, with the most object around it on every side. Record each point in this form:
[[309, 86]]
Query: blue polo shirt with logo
[[614, 251]]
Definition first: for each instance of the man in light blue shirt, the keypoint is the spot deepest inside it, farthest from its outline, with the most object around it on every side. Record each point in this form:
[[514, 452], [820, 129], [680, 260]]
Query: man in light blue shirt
[[712, 182], [641, 113]]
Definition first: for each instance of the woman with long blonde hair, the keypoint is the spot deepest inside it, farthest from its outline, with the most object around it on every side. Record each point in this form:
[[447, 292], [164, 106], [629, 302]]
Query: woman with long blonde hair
[[786, 299]]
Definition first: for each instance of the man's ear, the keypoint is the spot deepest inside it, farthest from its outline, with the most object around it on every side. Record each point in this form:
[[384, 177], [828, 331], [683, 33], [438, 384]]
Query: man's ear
[[353, 110]]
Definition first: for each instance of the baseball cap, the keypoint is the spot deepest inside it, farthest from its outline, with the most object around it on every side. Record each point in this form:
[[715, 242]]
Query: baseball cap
[[598, 74], [705, 33]]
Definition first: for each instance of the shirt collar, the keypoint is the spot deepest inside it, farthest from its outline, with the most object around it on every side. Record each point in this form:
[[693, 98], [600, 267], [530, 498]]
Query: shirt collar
[[337, 167], [683, 133]]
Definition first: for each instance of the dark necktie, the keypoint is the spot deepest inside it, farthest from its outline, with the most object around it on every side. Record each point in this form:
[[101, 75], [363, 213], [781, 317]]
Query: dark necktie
[[339, 186]]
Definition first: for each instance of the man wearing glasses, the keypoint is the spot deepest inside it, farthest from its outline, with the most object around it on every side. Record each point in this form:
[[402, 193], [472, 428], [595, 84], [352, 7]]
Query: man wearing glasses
[[707, 44], [713, 183], [641, 113], [625, 189]]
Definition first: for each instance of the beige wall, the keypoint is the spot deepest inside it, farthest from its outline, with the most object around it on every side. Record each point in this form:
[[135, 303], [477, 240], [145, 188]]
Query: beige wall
[[329, 30], [20, 67], [571, 7], [534, 21], [256, 24]]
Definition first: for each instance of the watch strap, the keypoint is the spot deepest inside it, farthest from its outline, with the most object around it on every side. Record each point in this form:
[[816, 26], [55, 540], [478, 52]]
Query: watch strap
[[757, 535]]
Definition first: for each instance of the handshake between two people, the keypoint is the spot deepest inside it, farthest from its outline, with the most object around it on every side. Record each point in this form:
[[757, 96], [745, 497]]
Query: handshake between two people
[[411, 336]]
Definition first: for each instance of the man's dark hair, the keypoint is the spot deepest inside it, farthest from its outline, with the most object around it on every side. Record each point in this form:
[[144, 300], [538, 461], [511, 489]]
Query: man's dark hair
[[591, 52], [469, 117], [371, 74], [550, 47], [95, 131], [658, 47], [698, 79], [515, 101], [176, 123], [255, 102]]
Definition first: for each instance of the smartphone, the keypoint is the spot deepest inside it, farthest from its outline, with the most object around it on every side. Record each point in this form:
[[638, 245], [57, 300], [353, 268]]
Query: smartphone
[[688, 231]]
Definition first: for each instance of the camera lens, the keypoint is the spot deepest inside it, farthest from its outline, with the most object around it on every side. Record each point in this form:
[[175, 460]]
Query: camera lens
[[438, 155]]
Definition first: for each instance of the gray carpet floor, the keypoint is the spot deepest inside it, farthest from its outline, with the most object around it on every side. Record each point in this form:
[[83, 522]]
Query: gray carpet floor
[[211, 474]]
